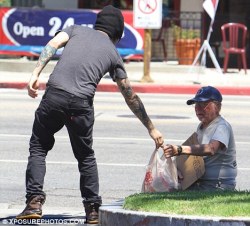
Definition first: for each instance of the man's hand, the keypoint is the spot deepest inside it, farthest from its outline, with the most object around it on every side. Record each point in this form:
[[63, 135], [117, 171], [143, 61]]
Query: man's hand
[[157, 137], [170, 150], [47, 53], [33, 86]]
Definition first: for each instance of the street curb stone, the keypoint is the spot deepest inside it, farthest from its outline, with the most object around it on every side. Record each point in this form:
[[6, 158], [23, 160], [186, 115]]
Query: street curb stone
[[114, 215], [144, 88]]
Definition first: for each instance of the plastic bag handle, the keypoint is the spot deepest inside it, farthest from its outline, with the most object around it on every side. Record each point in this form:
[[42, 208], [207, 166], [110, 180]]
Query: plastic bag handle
[[152, 157]]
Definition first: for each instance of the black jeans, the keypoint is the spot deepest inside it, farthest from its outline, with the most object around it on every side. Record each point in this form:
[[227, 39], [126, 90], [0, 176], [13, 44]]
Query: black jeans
[[59, 108]]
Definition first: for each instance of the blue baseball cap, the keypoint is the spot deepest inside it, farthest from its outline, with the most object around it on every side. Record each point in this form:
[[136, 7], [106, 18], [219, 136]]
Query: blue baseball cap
[[205, 94]]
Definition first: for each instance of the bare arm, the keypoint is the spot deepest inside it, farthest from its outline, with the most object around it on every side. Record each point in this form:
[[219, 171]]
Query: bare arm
[[198, 149], [137, 107], [47, 53]]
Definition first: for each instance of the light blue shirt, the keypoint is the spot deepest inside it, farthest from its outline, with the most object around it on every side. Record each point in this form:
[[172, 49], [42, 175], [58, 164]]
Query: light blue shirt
[[222, 165]]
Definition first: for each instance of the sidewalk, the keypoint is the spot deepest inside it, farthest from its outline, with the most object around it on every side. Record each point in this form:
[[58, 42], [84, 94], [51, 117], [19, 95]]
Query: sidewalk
[[167, 78], [55, 216]]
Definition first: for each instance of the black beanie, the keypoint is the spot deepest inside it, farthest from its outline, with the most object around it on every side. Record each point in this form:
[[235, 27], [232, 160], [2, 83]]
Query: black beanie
[[110, 21]]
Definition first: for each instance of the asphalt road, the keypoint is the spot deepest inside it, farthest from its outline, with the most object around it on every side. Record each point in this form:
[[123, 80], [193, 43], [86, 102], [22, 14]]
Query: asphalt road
[[122, 145]]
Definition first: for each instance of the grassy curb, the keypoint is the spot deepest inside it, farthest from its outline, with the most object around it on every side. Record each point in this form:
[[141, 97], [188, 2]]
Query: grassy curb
[[219, 204]]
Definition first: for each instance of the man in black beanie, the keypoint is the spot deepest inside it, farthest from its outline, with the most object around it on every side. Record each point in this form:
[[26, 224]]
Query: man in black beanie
[[88, 55], [110, 21]]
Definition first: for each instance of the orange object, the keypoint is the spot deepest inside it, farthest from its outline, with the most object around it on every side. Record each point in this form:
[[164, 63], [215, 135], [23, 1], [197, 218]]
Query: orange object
[[187, 49]]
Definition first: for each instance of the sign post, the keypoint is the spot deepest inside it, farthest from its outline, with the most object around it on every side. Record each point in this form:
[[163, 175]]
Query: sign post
[[147, 15], [147, 56]]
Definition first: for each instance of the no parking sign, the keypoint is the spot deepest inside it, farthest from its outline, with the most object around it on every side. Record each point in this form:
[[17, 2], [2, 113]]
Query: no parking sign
[[147, 14]]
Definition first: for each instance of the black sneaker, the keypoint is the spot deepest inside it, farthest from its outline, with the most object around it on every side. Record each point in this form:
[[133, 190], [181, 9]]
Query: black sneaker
[[33, 209], [92, 215]]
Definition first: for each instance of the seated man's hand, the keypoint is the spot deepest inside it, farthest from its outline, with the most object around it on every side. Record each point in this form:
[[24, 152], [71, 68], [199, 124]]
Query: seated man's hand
[[170, 150]]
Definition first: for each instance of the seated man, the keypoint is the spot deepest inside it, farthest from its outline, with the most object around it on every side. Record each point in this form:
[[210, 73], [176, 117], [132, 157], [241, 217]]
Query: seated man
[[216, 143]]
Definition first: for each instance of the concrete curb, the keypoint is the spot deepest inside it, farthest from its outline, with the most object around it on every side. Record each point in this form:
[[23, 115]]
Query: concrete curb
[[114, 215], [146, 88]]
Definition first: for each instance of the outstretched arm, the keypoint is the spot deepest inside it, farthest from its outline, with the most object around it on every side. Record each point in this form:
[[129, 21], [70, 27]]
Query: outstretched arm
[[137, 107], [47, 53], [198, 149]]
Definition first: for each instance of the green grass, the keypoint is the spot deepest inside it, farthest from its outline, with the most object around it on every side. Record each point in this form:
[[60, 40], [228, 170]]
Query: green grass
[[223, 204]]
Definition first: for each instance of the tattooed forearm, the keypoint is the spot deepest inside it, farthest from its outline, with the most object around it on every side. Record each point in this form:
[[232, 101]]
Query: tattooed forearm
[[138, 109], [135, 104], [46, 55]]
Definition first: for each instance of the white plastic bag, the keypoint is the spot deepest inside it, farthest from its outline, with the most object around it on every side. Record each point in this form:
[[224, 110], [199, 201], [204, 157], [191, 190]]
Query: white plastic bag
[[161, 174]]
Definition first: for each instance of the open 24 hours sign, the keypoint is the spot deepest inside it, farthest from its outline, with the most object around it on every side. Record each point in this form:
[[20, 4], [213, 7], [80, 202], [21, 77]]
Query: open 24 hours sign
[[25, 27], [147, 14]]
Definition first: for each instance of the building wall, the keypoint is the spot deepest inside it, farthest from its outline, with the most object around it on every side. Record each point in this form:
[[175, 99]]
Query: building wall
[[190, 18], [191, 5], [60, 4]]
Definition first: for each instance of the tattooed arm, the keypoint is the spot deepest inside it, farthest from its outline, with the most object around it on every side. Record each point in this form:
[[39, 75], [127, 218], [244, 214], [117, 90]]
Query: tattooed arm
[[47, 53], [137, 107]]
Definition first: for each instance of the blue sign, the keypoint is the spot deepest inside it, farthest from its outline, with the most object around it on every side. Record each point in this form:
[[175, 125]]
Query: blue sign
[[35, 27]]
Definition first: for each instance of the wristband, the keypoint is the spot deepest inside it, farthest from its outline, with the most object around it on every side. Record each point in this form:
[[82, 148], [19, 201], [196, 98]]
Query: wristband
[[179, 149]]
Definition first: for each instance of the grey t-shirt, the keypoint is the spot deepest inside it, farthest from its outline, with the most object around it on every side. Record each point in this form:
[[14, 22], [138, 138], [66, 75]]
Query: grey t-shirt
[[86, 58], [222, 165]]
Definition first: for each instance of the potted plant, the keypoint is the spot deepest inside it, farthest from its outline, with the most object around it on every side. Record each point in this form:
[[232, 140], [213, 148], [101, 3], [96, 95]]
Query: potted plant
[[187, 44]]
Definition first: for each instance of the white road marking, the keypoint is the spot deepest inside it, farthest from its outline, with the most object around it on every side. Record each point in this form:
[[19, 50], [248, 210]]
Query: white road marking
[[99, 164], [109, 138], [73, 163]]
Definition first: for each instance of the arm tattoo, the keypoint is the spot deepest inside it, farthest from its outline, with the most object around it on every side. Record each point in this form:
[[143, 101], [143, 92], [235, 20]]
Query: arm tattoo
[[135, 104], [46, 55]]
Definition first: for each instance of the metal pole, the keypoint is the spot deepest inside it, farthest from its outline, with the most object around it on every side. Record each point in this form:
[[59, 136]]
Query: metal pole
[[203, 61]]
